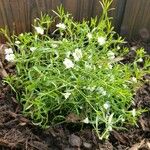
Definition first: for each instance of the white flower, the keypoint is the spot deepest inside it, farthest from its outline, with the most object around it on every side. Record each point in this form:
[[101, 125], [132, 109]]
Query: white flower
[[68, 63], [21, 34], [107, 105], [17, 42], [140, 60], [122, 119], [91, 88], [8, 51], [89, 35], [39, 30], [101, 40], [10, 57], [118, 47], [101, 91], [86, 120], [110, 66], [111, 55], [68, 54], [77, 54], [32, 49], [54, 45], [66, 95], [61, 26], [88, 65], [134, 79], [99, 66], [133, 112]]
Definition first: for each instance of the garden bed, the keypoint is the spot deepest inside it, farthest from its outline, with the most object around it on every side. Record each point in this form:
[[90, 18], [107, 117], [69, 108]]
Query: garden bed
[[17, 132], [79, 87]]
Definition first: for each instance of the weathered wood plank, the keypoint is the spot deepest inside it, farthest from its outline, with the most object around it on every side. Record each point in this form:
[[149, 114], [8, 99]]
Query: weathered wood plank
[[136, 23], [18, 15]]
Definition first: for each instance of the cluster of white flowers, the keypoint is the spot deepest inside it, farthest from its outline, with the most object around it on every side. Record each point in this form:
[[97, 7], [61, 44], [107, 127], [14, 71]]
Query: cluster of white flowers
[[39, 30], [61, 26], [101, 40], [77, 54], [111, 55], [9, 56]]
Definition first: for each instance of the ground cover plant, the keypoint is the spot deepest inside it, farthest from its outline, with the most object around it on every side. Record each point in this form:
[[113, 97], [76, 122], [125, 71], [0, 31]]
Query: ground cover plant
[[78, 72]]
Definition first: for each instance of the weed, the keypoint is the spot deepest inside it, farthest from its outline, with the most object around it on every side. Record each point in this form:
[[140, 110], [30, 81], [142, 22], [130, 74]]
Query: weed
[[78, 72]]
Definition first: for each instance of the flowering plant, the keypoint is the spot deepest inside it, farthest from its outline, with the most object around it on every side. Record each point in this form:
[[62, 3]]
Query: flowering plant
[[77, 72]]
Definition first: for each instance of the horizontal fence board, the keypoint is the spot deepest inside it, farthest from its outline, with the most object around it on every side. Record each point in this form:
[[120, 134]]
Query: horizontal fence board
[[18, 15], [136, 22]]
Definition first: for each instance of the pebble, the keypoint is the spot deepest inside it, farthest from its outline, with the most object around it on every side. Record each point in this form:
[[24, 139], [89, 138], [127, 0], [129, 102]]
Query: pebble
[[75, 141], [87, 145]]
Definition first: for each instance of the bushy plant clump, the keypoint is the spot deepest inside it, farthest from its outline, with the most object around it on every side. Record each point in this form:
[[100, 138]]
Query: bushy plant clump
[[76, 72]]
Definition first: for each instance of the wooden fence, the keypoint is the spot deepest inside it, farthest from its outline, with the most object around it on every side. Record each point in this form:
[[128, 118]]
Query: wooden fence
[[131, 17]]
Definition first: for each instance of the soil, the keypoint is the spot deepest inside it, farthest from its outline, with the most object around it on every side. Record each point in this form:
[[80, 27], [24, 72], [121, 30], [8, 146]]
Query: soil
[[18, 133]]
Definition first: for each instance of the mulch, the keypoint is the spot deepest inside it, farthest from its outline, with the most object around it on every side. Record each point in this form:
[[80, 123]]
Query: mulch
[[18, 133]]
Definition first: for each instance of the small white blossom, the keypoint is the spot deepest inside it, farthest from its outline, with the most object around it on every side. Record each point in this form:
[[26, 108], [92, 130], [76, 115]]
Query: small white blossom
[[68, 54], [122, 119], [107, 105], [77, 54], [68, 63], [89, 35], [10, 57], [66, 95], [110, 66], [99, 66], [91, 88], [133, 112], [88, 65], [86, 120], [54, 45], [8, 51], [21, 34], [32, 49], [111, 55], [101, 40], [134, 79], [101, 91], [118, 47], [17, 42], [140, 60], [61, 26], [39, 30]]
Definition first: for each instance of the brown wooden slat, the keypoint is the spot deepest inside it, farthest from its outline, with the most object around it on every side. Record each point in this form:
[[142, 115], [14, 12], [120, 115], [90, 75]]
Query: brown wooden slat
[[136, 21], [19, 14]]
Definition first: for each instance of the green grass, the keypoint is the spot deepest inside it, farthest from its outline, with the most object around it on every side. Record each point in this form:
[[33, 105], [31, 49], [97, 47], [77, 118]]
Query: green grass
[[77, 72]]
